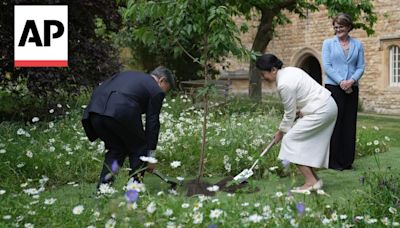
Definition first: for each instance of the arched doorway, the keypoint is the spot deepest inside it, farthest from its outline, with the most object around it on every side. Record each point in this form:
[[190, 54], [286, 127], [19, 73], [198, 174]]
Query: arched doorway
[[306, 59], [311, 65]]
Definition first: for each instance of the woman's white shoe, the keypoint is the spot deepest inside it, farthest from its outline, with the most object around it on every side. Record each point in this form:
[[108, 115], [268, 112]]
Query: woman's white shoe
[[317, 186]]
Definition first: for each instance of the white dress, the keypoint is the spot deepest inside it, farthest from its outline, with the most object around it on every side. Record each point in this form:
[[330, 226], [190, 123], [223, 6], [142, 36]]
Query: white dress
[[307, 140]]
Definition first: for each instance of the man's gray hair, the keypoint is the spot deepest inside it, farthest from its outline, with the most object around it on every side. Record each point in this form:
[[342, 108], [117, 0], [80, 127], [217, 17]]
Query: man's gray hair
[[162, 71]]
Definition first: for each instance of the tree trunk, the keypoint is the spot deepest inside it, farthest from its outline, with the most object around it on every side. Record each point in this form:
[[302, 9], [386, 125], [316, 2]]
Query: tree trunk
[[204, 129], [263, 37]]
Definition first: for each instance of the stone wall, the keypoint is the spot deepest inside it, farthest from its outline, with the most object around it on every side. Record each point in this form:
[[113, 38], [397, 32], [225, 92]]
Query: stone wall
[[305, 36]]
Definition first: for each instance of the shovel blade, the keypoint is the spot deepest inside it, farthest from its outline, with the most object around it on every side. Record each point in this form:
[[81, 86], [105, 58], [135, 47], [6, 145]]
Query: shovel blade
[[244, 175]]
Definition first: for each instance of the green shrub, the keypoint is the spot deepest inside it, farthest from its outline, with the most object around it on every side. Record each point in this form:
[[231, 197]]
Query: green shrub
[[91, 59], [18, 103]]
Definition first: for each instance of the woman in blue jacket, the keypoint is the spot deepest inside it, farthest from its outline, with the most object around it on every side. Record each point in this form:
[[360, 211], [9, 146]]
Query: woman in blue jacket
[[343, 62]]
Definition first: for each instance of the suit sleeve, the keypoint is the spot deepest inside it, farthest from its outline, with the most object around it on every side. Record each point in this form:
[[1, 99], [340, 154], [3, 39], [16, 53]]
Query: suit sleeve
[[327, 62], [153, 121], [288, 97], [360, 64]]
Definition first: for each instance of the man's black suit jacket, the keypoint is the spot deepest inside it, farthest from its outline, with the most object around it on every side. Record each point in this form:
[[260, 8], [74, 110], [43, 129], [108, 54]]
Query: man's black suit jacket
[[125, 97]]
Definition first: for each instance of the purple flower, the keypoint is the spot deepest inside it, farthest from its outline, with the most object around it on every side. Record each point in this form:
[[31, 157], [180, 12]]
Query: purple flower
[[212, 226], [131, 195], [285, 163], [115, 166], [301, 208]]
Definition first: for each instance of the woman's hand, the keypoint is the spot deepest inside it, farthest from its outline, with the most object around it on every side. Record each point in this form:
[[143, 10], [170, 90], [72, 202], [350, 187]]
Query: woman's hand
[[278, 136], [298, 114], [346, 84]]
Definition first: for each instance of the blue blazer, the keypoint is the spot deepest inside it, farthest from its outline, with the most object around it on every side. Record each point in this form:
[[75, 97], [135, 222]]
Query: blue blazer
[[337, 66]]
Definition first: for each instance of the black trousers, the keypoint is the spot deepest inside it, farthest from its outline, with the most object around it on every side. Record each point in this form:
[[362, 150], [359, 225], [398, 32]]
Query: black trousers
[[120, 142], [343, 140]]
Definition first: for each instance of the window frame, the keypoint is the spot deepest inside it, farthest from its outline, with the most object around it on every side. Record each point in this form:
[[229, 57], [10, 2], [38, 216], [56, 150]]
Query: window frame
[[394, 66], [384, 80]]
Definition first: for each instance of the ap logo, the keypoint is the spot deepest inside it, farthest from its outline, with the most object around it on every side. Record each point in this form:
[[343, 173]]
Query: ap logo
[[41, 36]]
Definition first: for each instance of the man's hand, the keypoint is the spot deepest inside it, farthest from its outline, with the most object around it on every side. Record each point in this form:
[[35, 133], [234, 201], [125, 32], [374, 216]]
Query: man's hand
[[151, 153], [278, 136], [151, 167]]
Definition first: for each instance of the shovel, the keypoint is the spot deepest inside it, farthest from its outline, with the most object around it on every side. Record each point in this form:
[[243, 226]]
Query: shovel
[[246, 173], [172, 183]]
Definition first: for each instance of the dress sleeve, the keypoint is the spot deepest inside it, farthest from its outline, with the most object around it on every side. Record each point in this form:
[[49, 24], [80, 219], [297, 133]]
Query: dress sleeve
[[288, 97]]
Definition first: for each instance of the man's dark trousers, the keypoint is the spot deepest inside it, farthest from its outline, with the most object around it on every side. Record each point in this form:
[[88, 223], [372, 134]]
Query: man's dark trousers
[[120, 142]]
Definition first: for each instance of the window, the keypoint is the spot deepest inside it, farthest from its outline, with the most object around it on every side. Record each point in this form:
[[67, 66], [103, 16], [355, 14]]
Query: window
[[394, 66]]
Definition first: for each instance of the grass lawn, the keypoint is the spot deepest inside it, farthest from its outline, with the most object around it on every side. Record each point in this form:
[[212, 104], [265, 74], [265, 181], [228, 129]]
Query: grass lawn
[[391, 125], [272, 205], [340, 185]]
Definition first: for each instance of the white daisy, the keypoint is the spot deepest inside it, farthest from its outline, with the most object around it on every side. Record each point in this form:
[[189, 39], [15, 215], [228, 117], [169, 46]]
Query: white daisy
[[29, 154], [255, 218], [180, 178], [175, 164], [168, 212], [77, 210], [50, 201], [29, 225], [273, 168], [151, 208], [278, 194], [216, 213], [393, 210], [197, 217], [213, 188], [110, 223]]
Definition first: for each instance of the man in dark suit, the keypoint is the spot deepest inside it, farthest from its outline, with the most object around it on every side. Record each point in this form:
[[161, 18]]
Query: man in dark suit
[[114, 115]]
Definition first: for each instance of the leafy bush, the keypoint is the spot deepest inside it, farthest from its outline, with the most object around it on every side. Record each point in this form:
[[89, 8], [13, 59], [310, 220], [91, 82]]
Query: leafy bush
[[18, 103], [91, 58]]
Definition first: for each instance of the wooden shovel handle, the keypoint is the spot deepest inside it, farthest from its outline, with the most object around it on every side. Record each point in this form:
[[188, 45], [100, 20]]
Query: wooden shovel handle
[[264, 152]]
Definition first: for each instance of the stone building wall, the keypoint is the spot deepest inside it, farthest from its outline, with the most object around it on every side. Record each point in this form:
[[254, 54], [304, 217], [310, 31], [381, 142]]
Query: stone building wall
[[300, 43]]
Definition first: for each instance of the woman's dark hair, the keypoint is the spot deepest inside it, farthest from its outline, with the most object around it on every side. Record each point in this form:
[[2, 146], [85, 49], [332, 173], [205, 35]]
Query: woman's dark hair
[[268, 61], [343, 19]]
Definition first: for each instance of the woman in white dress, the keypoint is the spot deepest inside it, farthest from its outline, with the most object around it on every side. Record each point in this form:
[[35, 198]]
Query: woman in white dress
[[305, 141]]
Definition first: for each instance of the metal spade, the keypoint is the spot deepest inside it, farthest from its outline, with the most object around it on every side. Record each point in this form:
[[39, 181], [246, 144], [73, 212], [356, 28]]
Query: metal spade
[[246, 173]]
